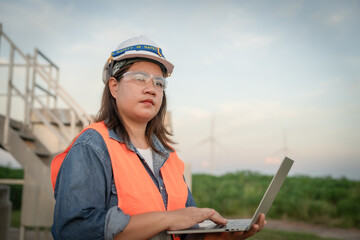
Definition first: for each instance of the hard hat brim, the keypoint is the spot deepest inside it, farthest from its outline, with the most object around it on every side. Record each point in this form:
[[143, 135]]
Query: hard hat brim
[[143, 54]]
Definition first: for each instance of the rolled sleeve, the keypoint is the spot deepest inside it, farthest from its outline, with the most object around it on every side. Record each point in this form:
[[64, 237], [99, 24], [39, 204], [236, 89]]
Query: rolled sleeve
[[116, 221], [85, 205]]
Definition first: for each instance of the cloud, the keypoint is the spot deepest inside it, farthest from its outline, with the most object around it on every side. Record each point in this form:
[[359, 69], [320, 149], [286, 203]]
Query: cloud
[[289, 8], [353, 61], [335, 18], [246, 41], [337, 14], [235, 43], [196, 114], [252, 112]]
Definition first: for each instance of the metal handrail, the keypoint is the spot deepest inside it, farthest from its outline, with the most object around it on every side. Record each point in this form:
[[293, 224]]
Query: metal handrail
[[60, 136], [61, 93], [40, 80], [30, 98], [47, 59]]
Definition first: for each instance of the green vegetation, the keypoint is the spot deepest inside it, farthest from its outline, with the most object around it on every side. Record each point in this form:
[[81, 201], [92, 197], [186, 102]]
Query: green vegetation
[[15, 218], [328, 201], [15, 190], [15, 193]]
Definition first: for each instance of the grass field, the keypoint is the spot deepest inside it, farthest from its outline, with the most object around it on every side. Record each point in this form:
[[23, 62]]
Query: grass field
[[328, 201], [15, 218], [331, 202]]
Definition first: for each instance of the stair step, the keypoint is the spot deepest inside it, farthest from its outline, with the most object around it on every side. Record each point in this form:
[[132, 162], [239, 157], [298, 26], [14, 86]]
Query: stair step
[[15, 125], [63, 115], [38, 148], [27, 135], [41, 150], [42, 153]]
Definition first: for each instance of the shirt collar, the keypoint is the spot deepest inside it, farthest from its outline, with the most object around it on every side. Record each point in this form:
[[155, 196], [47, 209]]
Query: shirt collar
[[158, 145]]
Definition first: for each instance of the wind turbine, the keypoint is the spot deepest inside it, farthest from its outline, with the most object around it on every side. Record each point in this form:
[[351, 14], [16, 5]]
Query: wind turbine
[[283, 152], [211, 139]]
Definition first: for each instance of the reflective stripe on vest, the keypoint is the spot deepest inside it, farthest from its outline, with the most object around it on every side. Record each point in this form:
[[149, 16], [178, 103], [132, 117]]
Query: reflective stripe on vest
[[137, 192]]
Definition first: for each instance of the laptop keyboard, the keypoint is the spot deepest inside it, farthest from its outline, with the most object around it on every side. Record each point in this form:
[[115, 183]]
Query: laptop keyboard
[[237, 224]]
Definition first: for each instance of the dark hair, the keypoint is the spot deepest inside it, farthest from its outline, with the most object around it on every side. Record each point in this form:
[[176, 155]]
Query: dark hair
[[110, 115]]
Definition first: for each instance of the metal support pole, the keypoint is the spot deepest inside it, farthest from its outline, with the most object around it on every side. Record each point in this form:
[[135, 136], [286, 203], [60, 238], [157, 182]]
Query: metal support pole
[[57, 87], [27, 93], [32, 91], [48, 88], [0, 36], [8, 105]]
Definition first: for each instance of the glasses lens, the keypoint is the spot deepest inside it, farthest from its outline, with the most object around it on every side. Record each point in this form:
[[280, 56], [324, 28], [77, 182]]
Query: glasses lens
[[160, 82], [140, 77], [143, 78]]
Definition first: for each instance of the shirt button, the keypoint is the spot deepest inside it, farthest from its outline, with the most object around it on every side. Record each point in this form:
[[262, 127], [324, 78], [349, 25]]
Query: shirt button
[[157, 164], [161, 188]]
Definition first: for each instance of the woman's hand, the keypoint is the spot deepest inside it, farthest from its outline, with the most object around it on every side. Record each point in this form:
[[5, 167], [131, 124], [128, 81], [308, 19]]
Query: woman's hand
[[238, 235], [188, 217], [146, 225]]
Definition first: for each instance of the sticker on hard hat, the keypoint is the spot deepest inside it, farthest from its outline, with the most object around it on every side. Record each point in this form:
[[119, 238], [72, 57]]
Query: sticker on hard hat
[[148, 48]]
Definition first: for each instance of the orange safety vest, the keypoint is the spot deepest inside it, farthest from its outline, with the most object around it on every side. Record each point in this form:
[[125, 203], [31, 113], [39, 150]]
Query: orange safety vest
[[136, 190]]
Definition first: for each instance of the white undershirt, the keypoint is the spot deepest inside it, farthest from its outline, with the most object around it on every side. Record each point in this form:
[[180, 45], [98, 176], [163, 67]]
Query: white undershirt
[[147, 155]]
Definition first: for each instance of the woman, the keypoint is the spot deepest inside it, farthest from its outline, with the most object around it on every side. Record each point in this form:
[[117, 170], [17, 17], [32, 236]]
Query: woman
[[120, 179]]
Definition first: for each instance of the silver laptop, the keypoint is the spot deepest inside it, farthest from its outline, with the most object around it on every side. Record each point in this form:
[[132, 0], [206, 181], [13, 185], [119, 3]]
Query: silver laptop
[[236, 225]]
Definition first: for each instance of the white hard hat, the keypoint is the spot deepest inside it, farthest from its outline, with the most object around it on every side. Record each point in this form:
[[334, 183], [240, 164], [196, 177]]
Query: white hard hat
[[137, 47]]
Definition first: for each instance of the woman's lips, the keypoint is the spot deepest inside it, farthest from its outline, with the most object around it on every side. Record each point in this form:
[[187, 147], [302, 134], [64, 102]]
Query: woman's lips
[[148, 101]]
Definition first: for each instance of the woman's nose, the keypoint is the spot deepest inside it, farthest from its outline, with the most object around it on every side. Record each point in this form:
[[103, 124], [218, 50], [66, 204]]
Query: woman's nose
[[150, 87]]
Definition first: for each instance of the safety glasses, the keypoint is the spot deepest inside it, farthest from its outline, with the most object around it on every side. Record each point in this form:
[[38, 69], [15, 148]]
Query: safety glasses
[[142, 78]]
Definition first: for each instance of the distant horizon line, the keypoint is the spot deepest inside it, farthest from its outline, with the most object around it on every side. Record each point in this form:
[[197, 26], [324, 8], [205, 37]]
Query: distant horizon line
[[291, 175]]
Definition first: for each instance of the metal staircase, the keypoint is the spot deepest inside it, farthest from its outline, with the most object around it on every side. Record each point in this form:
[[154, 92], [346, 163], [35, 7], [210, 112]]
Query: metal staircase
[[38, 119]]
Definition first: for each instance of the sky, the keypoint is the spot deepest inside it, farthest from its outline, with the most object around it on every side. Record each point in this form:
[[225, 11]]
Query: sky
[[253, 80]]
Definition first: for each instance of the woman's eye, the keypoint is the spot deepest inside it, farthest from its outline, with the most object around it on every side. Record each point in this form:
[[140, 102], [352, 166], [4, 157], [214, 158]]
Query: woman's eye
[[140, 78], [160, 84]]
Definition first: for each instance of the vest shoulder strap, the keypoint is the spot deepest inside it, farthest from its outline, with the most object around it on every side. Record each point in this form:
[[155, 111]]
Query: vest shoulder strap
[[58, 159]]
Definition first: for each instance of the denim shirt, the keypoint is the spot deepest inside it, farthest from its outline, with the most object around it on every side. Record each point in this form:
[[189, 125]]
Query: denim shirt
[[85, 192]]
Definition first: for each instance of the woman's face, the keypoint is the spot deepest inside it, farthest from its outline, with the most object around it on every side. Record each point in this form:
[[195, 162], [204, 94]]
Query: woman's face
[[138, 102]]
